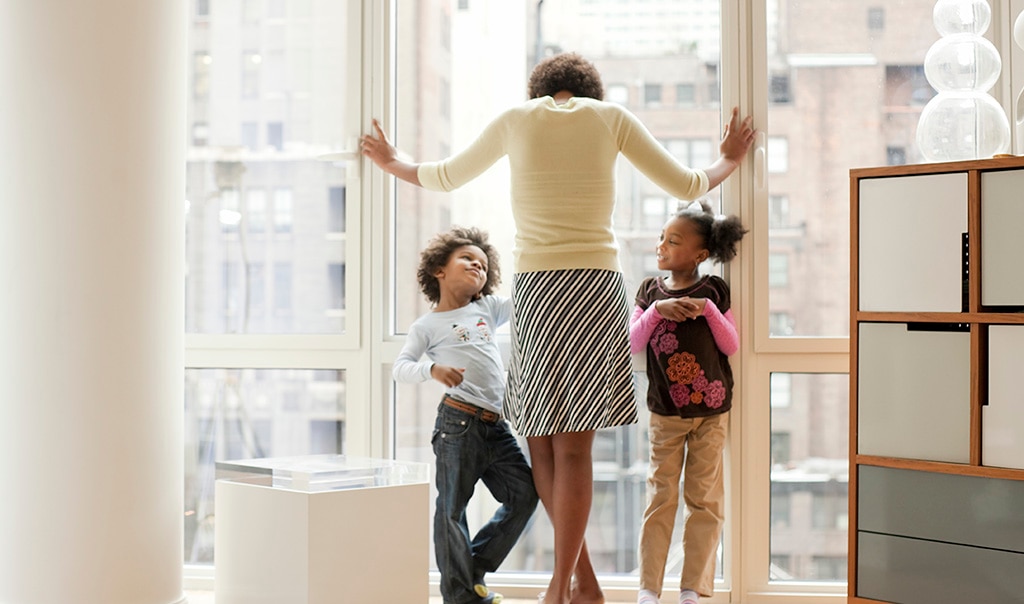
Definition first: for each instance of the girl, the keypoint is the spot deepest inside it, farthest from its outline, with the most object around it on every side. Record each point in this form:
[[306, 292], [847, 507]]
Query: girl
[[686, 320]]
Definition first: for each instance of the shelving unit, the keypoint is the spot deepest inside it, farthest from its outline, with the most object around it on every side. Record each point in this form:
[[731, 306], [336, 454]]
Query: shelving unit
[[937, 383]]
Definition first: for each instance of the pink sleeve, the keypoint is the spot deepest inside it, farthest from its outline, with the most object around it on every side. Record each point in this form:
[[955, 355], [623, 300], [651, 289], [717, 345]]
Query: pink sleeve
[[641, 324], [723, 328]]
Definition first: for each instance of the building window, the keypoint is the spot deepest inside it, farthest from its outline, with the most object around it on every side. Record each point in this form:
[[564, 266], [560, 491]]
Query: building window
[[876, 18], [251, 62], [617, 93], [778, 155], [275, 135], [252, 11], [778, 270], [780, 510], [895, 156], [685, 94], [445, 100], [250, 135], [256, 210], [906, 86], [779, 89], [230, 215], [656, 210], [257, 288], [200, 134], [202, 8], [282, 287], [336, 210], [463, 4], [781, 390], [778, 211], [781, 324], [336, 286], [652, 94], [201, 62], [691, 151], [780, 448], [282, 210]]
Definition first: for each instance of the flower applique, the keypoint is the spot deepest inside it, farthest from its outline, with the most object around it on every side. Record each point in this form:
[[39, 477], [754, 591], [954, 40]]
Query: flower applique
[[714, 395], [680, 394], [683, 367]]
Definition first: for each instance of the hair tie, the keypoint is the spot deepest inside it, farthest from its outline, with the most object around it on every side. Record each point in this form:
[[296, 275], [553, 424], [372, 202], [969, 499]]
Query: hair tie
[[694, 208]]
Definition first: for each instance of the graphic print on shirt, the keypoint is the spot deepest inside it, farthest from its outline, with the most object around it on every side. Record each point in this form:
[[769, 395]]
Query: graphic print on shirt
[[689, 384], [481, 327], [461, 332]]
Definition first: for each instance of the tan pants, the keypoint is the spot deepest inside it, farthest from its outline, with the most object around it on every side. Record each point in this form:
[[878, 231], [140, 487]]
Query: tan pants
[[699, 443]]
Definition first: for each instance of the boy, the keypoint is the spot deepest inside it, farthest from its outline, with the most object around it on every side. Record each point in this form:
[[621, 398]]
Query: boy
[[458, 271]]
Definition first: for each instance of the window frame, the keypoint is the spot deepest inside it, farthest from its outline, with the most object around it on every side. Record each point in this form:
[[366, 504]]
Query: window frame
[[368, 347]]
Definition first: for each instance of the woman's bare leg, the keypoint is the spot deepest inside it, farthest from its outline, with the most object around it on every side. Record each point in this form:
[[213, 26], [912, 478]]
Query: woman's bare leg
[[564, 478]]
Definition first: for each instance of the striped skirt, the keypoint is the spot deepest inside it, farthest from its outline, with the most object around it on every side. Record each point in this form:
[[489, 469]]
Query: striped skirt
[[570, 369]]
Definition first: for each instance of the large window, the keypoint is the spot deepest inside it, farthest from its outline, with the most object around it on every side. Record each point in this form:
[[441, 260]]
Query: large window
[[269, 313], [301, 279]]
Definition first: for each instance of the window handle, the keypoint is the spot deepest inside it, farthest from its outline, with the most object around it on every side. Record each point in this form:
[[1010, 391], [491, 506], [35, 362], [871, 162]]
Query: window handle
[[348, 157], [761, 162]]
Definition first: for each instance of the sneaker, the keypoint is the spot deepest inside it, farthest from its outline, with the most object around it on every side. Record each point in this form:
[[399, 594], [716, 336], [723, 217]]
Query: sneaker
[[487, 596]]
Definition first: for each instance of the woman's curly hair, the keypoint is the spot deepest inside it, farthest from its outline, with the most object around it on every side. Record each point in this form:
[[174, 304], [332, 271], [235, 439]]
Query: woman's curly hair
[[720, 233], [565, 71], [439, 249]]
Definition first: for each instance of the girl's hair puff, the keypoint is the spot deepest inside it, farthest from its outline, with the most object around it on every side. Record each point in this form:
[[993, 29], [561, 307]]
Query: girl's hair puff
[[435, 256], [720, 233], [565, 71]]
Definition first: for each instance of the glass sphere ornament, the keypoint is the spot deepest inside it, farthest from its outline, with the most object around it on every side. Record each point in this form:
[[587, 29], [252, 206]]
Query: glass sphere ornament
[[1018, 30], [958, 125], [962, 62], [962, 16]]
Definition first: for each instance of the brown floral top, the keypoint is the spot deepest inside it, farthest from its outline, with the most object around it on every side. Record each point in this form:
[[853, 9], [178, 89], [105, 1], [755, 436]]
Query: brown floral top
[[688, 374]]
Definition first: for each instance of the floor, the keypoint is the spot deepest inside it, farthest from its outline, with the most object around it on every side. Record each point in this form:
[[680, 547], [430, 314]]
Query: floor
[[206, 597]]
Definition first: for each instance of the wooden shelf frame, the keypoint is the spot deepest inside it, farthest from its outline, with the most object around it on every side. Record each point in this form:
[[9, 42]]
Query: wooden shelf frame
[[977, 317]]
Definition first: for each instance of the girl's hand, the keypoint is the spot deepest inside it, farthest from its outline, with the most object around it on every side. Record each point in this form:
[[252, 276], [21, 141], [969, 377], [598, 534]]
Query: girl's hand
[[681, 309], [449, 376]]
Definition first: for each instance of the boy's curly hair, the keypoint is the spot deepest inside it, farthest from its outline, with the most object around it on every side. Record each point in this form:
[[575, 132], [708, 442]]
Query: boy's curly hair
[[435, 256], [565, 71], [721, 233]]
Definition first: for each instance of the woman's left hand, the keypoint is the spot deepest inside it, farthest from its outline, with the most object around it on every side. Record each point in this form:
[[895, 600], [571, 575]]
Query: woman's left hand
[[738, 137]]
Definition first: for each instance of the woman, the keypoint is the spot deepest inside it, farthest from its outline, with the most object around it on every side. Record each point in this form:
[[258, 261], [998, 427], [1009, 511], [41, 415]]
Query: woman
[[569, 374]]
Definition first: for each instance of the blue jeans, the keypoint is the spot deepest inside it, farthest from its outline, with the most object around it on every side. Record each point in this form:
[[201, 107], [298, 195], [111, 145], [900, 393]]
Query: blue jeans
[[468, 449]]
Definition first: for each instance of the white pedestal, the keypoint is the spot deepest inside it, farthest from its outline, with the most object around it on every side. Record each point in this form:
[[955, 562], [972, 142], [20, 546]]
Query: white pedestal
[[315, 542]]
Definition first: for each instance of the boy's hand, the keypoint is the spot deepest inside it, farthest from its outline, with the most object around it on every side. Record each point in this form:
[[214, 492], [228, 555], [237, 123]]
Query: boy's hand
[[680, 309], [449, 376]]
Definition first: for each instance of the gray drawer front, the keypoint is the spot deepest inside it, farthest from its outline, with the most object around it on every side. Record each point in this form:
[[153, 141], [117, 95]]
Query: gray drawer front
[[983, 512], [909, 571]]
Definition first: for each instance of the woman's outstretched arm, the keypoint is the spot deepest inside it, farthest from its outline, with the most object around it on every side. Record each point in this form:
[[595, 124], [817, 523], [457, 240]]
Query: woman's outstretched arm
[[379, 149]]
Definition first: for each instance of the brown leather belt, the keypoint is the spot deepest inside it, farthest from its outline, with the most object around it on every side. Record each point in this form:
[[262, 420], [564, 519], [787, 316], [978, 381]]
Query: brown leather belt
[[487, 416]]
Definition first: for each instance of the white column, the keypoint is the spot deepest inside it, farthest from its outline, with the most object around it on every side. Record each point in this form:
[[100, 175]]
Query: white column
[[92, 182]]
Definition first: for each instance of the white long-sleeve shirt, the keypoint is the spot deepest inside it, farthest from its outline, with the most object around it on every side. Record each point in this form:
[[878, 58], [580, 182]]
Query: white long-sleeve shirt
[[462, 338]]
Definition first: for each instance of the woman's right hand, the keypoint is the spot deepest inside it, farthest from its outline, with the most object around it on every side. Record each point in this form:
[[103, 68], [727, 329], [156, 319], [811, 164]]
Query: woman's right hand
[[379, 149]]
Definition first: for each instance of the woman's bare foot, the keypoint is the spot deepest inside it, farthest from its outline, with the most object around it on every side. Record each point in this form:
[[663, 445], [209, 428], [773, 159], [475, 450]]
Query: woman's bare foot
[[588, 594]]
